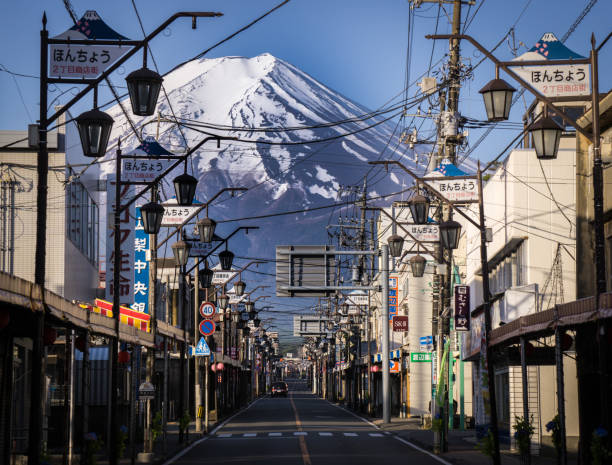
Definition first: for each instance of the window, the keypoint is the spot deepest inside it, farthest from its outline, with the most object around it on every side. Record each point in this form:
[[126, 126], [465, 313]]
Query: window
[[82, 221]]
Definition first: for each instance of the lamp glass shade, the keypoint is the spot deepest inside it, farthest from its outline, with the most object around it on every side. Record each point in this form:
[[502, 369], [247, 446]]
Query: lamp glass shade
[[417, 265], [206, 228], [94, 128], [249, 306], [546, 136], [223, 301], [181, 252], [206, 276], [226, 258], [239, 287], [152, 214], [144, 86], [419, 208], [256, 322], [236, 317], [396, 243], [449, 234], [184, 188], [497, 96]]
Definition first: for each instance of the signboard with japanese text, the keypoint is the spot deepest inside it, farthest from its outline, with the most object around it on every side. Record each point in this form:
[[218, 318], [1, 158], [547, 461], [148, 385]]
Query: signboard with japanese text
[[551, 80], [125, 262], [176, 215], [420, 357], [141, 267], [393, 281], [200, 249], [85, 61], [221, 277], [400, 324], [424, 232], [357, 301], [456, 190], [462, 308], [142, 169]]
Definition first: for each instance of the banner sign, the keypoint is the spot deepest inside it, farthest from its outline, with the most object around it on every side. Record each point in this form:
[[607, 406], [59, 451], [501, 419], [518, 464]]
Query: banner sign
[[462, 307], [141, 267], [125, 262], [400, 324], [393, 280]]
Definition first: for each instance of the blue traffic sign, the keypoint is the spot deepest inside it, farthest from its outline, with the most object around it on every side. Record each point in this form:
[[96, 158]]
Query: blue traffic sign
[[207, 327], [202, 348]]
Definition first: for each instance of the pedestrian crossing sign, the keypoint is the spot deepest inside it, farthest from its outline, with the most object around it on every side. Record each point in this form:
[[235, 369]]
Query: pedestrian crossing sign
[[202, 348]]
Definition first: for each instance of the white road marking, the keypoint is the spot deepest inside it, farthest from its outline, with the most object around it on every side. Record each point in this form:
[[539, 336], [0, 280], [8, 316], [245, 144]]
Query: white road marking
[[224, 435], [275, 434], [350, 434], [376, 435], [300, 433], [249, 435], [325, 434], [414, 446]]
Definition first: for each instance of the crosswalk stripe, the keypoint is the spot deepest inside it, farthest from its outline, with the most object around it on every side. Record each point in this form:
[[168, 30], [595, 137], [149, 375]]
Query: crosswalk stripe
[[350, 434], [249, 435], [325, 434], [376, 435], [300, 433], [224, 435], [275, 434]]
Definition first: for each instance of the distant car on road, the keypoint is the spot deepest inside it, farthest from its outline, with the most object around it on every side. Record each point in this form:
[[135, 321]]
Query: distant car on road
[[280, 389]]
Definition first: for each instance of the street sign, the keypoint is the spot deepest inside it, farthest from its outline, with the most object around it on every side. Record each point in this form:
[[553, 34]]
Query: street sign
[[462, 308], [200, 249], [207, 327], [420, 356], [394, 366], [202, 348], [400, 324], [207, 309], [146, 391], [175, 215], [424, 232], [141, 169]]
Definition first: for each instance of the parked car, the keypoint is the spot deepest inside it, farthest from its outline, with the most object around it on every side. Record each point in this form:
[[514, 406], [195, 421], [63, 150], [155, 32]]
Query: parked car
[[280, 389]]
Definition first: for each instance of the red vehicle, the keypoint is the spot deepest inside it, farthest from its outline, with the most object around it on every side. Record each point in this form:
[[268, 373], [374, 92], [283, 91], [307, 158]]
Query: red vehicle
[[280, 389]]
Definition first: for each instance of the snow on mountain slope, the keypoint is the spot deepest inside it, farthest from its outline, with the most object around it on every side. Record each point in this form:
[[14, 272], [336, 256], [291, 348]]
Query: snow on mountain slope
[[235, 97]]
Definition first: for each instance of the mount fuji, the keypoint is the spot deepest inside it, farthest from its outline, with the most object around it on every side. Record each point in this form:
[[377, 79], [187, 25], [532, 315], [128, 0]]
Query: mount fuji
[[272, 107]]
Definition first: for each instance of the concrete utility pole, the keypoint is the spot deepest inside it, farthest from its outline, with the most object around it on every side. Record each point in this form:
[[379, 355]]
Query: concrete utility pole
[[384, 268]]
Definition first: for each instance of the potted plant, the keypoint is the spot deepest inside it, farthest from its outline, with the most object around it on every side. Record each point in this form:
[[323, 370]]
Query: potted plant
[[487, 445], [554, 427], [184, 425], [523, 430], [599, 452]]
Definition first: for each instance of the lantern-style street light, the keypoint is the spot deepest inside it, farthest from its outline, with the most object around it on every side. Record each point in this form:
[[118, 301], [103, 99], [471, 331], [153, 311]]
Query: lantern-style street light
[[256, 322], [144, 86], [417, 265], [546, 134], [226, 258], [152, 214], [185, 187], [94, 128], [206, 229], [206, 276], [239, 287], [419, 208], [181, 252], [223, 301], [449, 234], [396, 243], [249, 306], [497, 96]]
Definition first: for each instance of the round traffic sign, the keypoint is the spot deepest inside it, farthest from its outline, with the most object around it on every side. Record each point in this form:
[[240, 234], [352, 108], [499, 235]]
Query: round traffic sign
[[207, 327], [207, 309]]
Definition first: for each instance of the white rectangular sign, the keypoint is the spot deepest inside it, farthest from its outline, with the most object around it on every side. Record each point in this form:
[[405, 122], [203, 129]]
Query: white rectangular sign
[[142, 169], [175, 215], [83, 61], [200, 249], [456, 190], [220, 277], [126, 235], [557, 80], [424, 232]]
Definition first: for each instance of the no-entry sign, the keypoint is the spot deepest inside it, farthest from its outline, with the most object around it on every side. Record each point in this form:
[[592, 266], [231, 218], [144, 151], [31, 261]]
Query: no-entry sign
[[207, 327]]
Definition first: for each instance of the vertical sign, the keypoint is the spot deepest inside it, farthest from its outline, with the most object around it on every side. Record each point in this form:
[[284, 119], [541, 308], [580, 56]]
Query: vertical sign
[[392, 297], [125, 261], [462, 308], [141, 266]]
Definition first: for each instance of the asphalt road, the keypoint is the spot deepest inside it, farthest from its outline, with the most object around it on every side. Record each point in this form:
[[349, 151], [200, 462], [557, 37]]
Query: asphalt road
[[300, 430]]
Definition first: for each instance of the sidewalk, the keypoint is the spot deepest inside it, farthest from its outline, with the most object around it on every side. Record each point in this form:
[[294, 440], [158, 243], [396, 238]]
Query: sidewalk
[[461, 444]]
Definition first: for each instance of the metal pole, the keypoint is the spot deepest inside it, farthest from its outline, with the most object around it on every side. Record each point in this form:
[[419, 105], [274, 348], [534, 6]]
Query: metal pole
[[487, 314], [525, 392], [37, 378], [196, 320], [384, 268], [560, 388], [206, 392], [85, 380], [72, 401], [133, 395], [165, 400]]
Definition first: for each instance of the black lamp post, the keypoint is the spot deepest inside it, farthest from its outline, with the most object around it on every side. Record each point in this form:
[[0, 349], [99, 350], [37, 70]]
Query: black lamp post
[[94, 128], [417, 265], [396, 243], [181, 252], [497, 95], [152, 214], [419, 208], [206, 228], [226, 258], [185, 187], [546, 134], [239, 287], [449, 234], [144, 86], [206, 276]]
